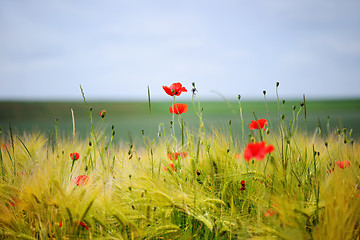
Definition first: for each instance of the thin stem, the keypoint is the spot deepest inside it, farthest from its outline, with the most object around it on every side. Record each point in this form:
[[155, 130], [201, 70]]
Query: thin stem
[[242, 122]]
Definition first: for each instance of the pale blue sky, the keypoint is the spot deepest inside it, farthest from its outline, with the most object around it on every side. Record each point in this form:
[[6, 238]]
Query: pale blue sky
[[115, 48]]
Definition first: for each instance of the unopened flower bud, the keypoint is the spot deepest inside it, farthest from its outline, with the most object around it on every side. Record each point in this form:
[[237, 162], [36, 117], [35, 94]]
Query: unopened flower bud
[[103, 113]]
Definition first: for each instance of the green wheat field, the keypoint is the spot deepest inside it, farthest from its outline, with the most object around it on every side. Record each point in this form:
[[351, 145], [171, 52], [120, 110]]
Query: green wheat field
[[237, 169]]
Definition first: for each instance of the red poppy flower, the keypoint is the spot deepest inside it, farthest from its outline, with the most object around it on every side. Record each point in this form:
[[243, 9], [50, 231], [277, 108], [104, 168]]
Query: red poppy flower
[[171, 156], [243, 182], [74, 156], [261, 123], [257, 151], [343, 164], [13, 202], [5, 146], [178, 108], [174, 89], [82, 224], [80, 180], [170, 166], [60, 224], [270, 212]]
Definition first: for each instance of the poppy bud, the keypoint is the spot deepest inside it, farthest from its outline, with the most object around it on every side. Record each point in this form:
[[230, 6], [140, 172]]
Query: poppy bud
[[103, 113], [74, 156], [277, 84], [239, 96], [294, 107], [264, 92]]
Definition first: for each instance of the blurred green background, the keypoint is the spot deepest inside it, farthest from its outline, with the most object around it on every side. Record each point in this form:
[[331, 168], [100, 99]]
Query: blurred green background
[[130, 118]]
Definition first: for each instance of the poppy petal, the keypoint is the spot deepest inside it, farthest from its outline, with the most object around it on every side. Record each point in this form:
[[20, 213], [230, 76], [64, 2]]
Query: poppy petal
[[261, 123], [168, 90], [178, 108], [343, 164], [257, 151], [174, 89]]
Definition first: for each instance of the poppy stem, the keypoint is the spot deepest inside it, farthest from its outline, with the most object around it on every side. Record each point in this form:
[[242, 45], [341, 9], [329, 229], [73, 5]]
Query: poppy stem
[[173, 119], [182, 132], [267, 109], [89, 110], [281, 128], [198, 111], [259, 127]]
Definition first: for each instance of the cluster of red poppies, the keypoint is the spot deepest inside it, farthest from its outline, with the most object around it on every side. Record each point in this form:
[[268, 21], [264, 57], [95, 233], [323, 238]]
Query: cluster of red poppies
[[81, 179], [176, 89], [257, 150], [77, 224]]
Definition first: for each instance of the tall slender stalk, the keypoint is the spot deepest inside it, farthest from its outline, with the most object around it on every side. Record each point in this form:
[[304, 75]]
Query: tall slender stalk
[[89, 110], [2, 166], [242, 122], [267, 109], [13, 148], [149, 101]]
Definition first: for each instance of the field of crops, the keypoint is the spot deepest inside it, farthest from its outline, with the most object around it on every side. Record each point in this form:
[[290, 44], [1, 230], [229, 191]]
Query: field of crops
[[204, 170], [130, 118]]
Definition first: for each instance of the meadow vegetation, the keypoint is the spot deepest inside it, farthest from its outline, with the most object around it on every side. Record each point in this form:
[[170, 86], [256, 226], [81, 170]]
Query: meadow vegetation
[[277, 181]]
